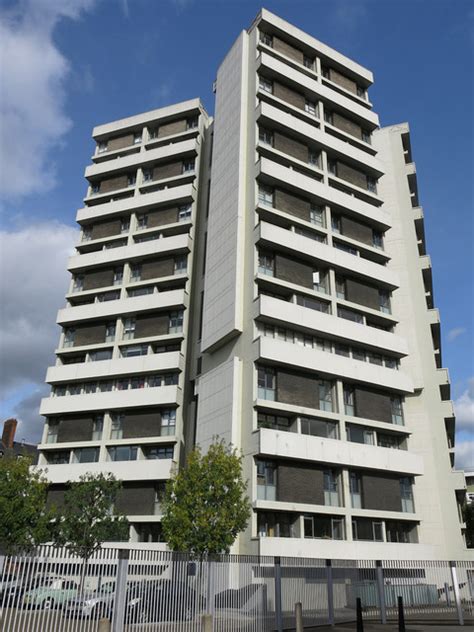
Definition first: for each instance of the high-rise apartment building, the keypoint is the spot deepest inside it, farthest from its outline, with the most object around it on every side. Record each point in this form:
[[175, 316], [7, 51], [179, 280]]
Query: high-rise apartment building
[[262, 277]]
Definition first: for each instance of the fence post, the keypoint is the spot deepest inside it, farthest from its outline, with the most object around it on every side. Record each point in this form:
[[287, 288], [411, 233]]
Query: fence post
[[446, 594], [330, 587], [401, 615], [299, 617], [278, 613], [359, 619], [210, 596], [457, 596], [381, 591], [120, 591]]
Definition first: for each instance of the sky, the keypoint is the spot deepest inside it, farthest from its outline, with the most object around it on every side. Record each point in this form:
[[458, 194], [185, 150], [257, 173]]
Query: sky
[[67, 65]]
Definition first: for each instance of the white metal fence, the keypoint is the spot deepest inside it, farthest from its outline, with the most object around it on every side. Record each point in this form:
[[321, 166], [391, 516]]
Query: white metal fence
[[140, 590]]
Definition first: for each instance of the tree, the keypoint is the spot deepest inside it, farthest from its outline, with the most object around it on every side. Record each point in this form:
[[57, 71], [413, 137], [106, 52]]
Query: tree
[[205, 504], [87, 519], [468, 511], [25, 520]]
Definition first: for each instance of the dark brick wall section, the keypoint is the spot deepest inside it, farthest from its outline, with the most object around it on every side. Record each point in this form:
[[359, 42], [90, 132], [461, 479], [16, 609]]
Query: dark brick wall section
[[146, 423], [162, 217], [113, 184], [119, 142], [381, 491], [372, 404], [99, 278], [89, 334], [342, 81], [136, 499], [300, 483], [356, 230], [290, 96], [362, 294], [151, 325], [77, 428], [297, 389], [288, 50], [344, 124], [175, 127], [155, 268], [291, 147], [292, 204], [289, 269], [106, 229], [167, 170], [349, 174]]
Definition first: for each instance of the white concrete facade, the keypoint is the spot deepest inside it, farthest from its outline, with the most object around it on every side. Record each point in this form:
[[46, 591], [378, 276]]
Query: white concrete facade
[[283, 302]]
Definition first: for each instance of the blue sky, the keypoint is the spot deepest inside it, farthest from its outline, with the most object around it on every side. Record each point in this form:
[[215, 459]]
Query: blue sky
[[68, 65]]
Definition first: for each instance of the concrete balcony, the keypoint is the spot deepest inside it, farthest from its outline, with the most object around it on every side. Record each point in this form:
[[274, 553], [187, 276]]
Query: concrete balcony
[[286, 313], [268, 113], [115, 368], [176, 243], [304, 185], [285, 73], [331, 364], [142, 158], [340, 260], [290, 445], [179, 194], [157, 469], [157, 301]]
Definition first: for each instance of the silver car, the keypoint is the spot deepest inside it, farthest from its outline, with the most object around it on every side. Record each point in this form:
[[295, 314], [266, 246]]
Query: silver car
[[92, 604]]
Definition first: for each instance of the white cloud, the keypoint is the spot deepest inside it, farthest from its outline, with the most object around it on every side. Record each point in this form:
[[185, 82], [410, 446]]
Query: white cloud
[[465, 456], [455, 333], [32, 287], [464, 409], [32, 74]]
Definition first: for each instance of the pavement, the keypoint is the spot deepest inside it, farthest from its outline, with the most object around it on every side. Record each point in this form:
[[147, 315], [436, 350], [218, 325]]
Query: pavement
[[391, 627]]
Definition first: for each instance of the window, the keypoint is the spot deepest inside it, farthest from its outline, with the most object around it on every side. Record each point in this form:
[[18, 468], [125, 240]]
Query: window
[[377, 239], [349, 314], [123, 453], [97, 427], [316, 215], [142, 222], [168, 422], [86, 233], [95, 188], [320, 281], [371, 184], [265, 195], [101, 146], [331, 488], [358, 354], [391, 363], [406, 493], [137, 382], [342, 350], [129, 328], [361, 92], [90, 387], [266, 480], [105, 386], [276, 525], [170, 379], [175, 322], [310, 107], [60, 391], [147, 175], [265, 84], [313, 303], [266, 264], [78, 283], [69, 334], [345, 247], [266, 39], [265, 136], [397, 410], [336, 224], [366, 137], [59, 458], [53, 428], [118, 276], [384, 301], [135, 272], [266, 380], [110, 332], [310, 234], [275, 422], [180, 264], [308, 62], [319, 428], [86, 455], [324, 527], [116, 428], [184, 212], [328, 116], [355, 487], [125, 225], [325, 389], [141, 291], [74, 389], [135, 350], [103, 354], [132, 178], [391, 441], [314, 158], [349, 399], [360, 434], [332, 167], [188, 166], [159, 452], [108, 296], [403, 532], [192, 123], [137, 138]]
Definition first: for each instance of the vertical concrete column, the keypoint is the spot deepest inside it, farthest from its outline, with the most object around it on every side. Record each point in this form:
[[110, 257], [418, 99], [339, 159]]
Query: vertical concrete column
[[381, 591], [120, 591], [457, 596], [278, 612]]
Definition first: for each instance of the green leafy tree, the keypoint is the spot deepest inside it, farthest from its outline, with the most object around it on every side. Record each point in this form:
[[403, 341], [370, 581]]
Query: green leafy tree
[[468, 511], [87, 519], [205, 505], [25, 520]]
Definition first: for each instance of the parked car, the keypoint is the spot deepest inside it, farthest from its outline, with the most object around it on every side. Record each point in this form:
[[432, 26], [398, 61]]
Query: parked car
[[92, 604], [14, 586], [51, 593], [161, 600]]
